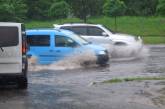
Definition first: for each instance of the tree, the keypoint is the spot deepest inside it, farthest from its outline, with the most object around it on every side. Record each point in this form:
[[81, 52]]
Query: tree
[[161, 7], [114, 8], [59, 9], [79, 8], [12, 10], [38, 9], [96, 7], [141, 7], [84, 8]]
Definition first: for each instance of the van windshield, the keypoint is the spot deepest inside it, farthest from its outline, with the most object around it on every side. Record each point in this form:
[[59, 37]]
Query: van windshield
[[8, 36], [79, 39]]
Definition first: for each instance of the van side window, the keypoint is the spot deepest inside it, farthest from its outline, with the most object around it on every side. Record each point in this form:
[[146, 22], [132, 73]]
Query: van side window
[[62, 41], [38, 40], [94, 31]]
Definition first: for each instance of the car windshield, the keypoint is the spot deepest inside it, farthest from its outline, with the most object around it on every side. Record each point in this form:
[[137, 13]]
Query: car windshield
[[112, 31], [79, 39]]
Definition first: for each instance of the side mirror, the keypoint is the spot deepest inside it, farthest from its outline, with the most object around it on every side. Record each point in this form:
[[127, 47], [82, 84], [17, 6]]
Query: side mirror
[[105, 34]]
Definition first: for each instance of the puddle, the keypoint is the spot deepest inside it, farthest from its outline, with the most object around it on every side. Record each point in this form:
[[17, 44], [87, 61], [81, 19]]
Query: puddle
[[141, 54]]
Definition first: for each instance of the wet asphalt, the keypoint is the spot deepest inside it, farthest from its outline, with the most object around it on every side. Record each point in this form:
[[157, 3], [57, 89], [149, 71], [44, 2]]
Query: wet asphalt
[[74, 88]]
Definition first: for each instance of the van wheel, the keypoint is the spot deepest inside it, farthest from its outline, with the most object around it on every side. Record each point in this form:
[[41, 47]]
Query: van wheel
[[22, 83]]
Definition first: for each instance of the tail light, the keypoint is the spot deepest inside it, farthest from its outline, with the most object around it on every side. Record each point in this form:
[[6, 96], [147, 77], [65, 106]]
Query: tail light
[[24, 47]]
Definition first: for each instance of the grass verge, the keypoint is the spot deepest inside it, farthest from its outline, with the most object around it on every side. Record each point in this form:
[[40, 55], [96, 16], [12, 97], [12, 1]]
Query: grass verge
[[119, 80]]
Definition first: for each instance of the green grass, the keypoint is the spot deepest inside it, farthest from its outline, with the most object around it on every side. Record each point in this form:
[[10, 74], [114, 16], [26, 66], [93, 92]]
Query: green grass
[[119, 80], [152, 29], [49, 24], [154, 39]]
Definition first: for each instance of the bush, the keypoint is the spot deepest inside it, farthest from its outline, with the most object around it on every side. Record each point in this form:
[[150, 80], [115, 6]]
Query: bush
[[38, 9], [161, 8], [114, 8], [141, 7], [59, 10], [12, 10]]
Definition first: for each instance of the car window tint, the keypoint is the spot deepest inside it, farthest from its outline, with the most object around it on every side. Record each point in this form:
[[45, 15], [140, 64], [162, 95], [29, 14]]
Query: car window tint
[[80, 30], [94, 31], [62, 41], [38, 40], [66, 28]]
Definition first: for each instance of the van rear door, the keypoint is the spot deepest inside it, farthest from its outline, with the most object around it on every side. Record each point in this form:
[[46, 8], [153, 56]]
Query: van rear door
[[10, 48]]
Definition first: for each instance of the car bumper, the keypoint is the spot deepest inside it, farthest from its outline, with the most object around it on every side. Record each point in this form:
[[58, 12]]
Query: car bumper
[[102, 59], [7, 78]]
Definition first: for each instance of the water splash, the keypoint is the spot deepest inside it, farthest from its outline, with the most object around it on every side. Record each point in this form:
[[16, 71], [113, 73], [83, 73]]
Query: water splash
[[124, 52], [117, 53], [81, 60], [144, 53]]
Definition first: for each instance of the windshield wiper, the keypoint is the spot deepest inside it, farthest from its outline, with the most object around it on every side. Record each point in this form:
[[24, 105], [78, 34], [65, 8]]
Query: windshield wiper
[[2, 49]]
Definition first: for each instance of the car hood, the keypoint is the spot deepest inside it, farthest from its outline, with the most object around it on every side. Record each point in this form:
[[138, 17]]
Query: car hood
[[123, 37]]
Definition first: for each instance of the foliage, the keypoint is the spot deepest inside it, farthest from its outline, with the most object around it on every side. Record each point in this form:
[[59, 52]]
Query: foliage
[[59, 9], [18, 10], [141, 7], [114, 8], [12, 10], [84, 8], [161, 7], [38, 9], [96, 7]]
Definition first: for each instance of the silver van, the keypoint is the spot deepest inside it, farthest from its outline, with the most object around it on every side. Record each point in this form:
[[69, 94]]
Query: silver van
[[13, 59]]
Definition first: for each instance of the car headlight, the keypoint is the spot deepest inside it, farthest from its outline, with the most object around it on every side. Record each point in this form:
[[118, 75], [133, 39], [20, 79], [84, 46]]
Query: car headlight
[[137, 38], [102, 53]]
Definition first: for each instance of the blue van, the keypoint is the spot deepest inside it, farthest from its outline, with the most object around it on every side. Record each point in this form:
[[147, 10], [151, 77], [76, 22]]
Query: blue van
[[52, 45]]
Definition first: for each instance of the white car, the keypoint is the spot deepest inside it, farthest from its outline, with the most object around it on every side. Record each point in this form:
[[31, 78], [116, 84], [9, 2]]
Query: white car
[[119, 45], [13, 59]]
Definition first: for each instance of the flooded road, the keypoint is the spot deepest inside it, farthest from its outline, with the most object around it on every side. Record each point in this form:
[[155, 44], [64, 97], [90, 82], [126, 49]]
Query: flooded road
[[73, 88]]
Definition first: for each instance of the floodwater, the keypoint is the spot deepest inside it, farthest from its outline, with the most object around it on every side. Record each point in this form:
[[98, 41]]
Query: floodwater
[[60, 86]]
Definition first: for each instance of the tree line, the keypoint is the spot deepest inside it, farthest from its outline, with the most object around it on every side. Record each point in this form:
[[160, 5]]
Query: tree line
[[20, 10]]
